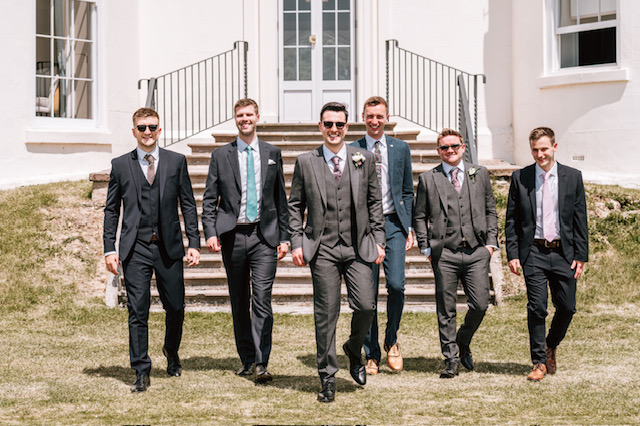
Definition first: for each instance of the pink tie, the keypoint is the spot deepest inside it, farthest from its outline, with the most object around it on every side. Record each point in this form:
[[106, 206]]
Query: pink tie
[[454, 178], [548, 216], [337, 173]]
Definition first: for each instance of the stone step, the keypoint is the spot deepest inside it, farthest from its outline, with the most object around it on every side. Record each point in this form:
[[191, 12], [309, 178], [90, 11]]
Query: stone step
[[312, 127]]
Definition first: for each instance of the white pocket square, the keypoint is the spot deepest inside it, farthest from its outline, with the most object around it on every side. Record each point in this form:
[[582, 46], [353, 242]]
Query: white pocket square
[[270, 162]]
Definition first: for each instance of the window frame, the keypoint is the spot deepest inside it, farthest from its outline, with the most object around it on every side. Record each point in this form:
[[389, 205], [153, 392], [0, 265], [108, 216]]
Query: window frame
[[71, 39]]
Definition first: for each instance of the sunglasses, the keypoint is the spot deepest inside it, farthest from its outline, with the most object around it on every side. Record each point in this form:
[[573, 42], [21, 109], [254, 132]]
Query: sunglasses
[[329, 124], [455, 147], [143, 127]]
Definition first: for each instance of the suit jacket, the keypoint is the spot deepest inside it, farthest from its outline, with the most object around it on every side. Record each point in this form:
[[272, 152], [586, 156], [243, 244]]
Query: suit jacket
[[125, 188], [520, 224], [308, 192], [400, 178], [430, 220], [223, 194]]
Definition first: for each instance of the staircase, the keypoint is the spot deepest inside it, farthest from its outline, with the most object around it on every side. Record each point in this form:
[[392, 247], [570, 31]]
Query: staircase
[[206, 284]]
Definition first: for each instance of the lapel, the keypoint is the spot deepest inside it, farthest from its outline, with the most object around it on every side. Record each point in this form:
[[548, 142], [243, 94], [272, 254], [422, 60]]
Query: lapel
[[265, 153], [562, 187], [470, 183], [161, 172], [529, 182], [391, 158], [441, 181], [354, 174], [232, 158], [318, 164], [363, 143], [134, 168]]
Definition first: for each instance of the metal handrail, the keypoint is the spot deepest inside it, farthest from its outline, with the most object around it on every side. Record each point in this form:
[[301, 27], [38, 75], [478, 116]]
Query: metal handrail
[[431, 94], [199, 96]]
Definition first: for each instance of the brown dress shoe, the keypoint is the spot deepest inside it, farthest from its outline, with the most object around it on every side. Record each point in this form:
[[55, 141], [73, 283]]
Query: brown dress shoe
[[371, 367], [538, 372], [394, 359], [551, 360]]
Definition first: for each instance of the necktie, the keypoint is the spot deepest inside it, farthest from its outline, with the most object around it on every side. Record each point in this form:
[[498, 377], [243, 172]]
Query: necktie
[[378, 157], [337, 173], [151, 171], [454, 179], [252, 196], [548, 216]]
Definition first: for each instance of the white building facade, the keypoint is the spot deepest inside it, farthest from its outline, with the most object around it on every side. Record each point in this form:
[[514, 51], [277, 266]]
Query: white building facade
[[72, 70]]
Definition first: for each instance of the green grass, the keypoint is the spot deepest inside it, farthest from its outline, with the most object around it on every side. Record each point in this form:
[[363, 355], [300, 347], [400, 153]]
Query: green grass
[[65, 357]]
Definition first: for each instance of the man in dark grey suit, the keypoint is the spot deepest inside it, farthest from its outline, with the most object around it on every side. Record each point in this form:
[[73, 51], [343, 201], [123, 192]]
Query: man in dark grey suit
[[547, 236], [393, 168], [244, 213], [457, 229], [336, 185], [148, 183]]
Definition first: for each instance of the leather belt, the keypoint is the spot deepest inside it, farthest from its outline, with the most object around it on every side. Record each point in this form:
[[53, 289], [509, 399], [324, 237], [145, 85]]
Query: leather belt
[[547, 244], [247, 223]]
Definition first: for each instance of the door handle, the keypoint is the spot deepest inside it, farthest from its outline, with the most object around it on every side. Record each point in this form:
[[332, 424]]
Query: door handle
[[312, 39]]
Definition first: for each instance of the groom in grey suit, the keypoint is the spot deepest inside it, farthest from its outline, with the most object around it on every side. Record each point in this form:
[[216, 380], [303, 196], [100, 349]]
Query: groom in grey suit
[[337, 186], [457, 229]]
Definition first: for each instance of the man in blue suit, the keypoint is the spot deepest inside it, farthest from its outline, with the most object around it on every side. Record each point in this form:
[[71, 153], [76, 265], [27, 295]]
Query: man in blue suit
[[393, 167]]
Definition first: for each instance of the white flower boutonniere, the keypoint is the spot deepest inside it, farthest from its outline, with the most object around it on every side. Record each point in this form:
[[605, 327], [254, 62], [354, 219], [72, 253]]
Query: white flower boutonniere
[[472, 173], [358, 159]]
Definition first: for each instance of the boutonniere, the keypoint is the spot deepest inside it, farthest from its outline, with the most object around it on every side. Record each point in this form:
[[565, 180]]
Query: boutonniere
[[472, 173], [358, 159]]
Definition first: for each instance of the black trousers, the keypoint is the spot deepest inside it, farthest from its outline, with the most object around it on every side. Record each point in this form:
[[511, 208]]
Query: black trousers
[[138, 269], [251, 268], [548, 266]]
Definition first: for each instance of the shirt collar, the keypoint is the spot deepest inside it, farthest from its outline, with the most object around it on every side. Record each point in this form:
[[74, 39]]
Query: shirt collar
[[371, 141], [328, 154], [155, 153], [242, 145], [553, 171], [447, 167]]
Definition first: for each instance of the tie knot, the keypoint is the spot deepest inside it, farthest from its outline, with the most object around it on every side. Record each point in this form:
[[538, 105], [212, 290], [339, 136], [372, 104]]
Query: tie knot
[[546, 176], [248, 148], [150, 158], [336, 160], [454, 172]]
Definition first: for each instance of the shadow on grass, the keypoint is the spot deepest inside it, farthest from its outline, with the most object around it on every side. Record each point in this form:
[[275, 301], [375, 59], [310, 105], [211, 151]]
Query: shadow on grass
[[435, 365], [124, 374]]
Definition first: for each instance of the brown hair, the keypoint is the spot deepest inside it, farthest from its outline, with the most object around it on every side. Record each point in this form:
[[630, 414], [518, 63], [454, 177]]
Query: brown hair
[[373, 101], [144, 112], [335, 106], [241, 103], [448, 132], [539, 132]]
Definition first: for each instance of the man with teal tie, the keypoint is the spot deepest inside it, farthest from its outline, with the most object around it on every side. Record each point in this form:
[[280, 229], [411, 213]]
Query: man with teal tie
[[244, 214]]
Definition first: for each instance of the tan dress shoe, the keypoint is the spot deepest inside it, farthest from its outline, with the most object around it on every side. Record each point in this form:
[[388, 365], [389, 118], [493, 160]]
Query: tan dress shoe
[[394, 359], [538, 372], [371, 367], [551, 360]]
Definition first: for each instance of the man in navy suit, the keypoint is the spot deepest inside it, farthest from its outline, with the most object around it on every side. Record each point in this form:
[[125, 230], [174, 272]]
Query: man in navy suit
[[148, 183], [393, 168], [244, 213], [547, 236]]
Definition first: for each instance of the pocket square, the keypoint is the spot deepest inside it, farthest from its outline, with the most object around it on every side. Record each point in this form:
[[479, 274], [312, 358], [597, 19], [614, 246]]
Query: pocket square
[[270, 162]]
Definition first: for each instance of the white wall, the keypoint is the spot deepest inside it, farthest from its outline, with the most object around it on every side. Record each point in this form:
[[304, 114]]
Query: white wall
[[37, 150], [594, 110]]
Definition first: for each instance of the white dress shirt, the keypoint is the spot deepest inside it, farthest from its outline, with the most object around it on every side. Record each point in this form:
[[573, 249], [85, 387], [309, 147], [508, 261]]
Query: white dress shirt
[[553, 182], [242, 160], [447, 169], [385, 185], [328, 155]]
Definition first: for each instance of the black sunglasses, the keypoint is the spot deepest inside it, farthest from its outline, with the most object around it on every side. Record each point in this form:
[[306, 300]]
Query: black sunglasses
[[455, 147], [143, 127], [329, 124]]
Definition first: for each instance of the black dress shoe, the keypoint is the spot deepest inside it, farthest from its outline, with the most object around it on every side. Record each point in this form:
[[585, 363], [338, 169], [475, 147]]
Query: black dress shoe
[[245, 370], [142, 382], [174, 368], [328, 393], [465, 357], [450, 370], [262, 375], [356, 367]]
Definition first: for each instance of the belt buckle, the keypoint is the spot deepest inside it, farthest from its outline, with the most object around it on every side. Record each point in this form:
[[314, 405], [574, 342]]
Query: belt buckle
[[550, 244]]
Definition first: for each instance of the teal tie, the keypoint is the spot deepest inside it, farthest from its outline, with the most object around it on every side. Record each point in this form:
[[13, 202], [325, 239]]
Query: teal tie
[[252, 196]]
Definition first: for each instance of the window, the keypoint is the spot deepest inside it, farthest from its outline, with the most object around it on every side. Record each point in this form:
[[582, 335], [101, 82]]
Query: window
[[586, 32], [65, 58]]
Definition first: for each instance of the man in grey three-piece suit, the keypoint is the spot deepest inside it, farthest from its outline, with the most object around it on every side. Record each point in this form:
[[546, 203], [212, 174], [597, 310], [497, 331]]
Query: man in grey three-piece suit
[[457, 229], [337, 186], [244, 214]]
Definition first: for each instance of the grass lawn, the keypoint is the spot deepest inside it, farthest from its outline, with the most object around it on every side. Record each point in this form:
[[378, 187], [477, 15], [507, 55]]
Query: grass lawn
[[65, 355]]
